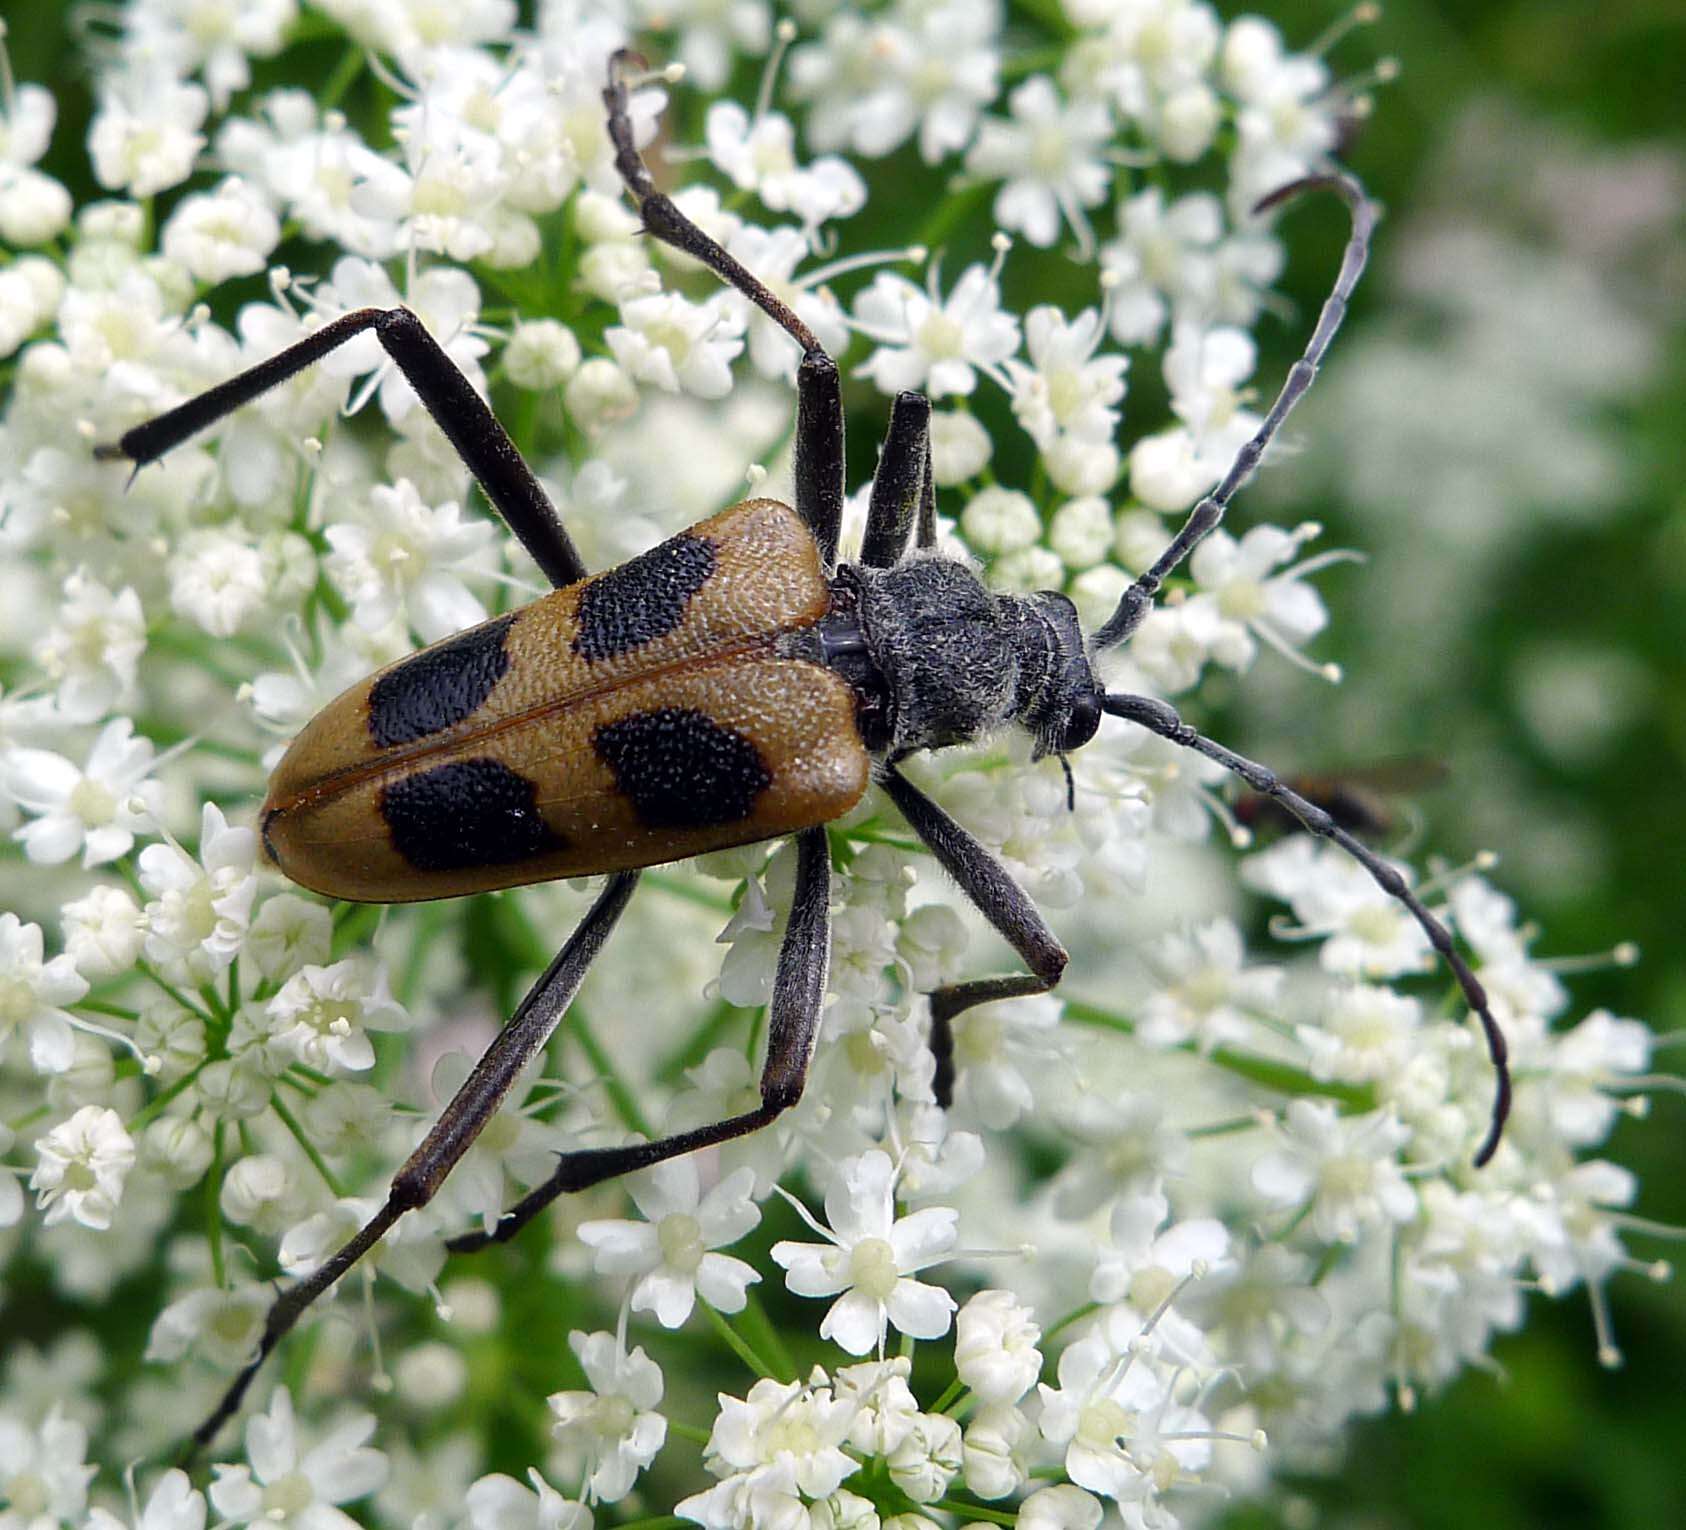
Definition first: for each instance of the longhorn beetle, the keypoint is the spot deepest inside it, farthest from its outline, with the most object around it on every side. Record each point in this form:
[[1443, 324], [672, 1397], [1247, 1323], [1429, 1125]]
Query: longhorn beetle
[[734, 684]]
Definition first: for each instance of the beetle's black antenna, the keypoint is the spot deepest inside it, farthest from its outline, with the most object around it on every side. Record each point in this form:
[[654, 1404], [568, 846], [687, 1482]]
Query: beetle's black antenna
[[1205, 517], [664, 221], [1159, 717], [819, 468]]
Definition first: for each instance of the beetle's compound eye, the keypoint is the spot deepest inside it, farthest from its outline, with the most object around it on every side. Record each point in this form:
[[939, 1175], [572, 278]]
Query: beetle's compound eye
[[1083, 722]]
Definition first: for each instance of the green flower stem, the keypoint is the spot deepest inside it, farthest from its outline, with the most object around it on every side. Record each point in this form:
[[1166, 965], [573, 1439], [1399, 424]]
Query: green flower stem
[[736, 1342], [766, 1335], [291, 1122], [424, 933], [342, 79], [689, 892], [153, 1107], [973, 1511], [626, 1107], [213, 1208], [951, 1395], [703, 1040], [688, 1432], [1076, 1315], [1225, 1128], [115, 1011], [1282, 1078], [146, 969]]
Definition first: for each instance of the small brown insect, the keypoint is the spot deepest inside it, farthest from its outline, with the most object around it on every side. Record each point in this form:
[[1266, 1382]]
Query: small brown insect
[[1366, 800]]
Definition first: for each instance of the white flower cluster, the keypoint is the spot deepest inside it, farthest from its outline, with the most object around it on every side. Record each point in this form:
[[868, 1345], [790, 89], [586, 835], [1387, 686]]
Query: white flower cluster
[[1244, 1210]]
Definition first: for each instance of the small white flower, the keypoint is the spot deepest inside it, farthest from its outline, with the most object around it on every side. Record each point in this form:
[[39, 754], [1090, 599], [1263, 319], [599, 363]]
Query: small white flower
[[960, 447], [444, 196], [541, 354], [97, 809], [614, 1425], [998, 520], [497, 1502], [1347, 1170], [1094, 1413], [219, 1325], [288, 933], [995, 1351], [930, 342], [1061, 1507], [1204, 367], [710, 33], [1050, 156], [291, 1484], [200, 908], [781, 1440], [671, 1254], [218, 579], [321, 1014], [103, 931], [760, 156], [1366, 1035], [677, 345], [1162, 262], [33, 994], [1254, 596], [1145, 1266], [998, 1450], [870, 1259], [82, 1165], [212, 39], [1066, 388], [927, 1459], [92, 650], [1368, 933], [223, 233], [43, 1476], [174, 1504], [875, 80], [145, 134], [400, 556], [1289, 120], [1588, 1064], [1203, 992]]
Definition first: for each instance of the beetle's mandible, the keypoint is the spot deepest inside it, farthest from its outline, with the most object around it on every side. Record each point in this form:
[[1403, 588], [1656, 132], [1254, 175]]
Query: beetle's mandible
[[734, 684]]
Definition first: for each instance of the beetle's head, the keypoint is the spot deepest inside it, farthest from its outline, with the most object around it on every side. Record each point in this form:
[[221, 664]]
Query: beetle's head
[[1059, 699]]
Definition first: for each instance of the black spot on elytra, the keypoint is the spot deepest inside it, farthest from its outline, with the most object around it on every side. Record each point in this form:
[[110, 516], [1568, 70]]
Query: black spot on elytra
[[682, 769], [465, 813], [642, 600], [440, 686]]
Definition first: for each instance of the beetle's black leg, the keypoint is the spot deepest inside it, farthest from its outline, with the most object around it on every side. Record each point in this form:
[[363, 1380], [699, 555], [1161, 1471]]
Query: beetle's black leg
[[1158, 717], [1137, 601], [462, 1120], [898, 486], [449, 397], [999, 899], [793, 1025], [927, 538], [819, 409]]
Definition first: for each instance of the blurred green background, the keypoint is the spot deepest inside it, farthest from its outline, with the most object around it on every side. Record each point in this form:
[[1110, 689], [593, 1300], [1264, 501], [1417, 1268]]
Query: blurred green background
[[1510, 403], [1522, 617]]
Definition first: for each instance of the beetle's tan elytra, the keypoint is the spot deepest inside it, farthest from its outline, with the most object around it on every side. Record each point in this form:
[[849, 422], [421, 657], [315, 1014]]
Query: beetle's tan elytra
[[644, 715]]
